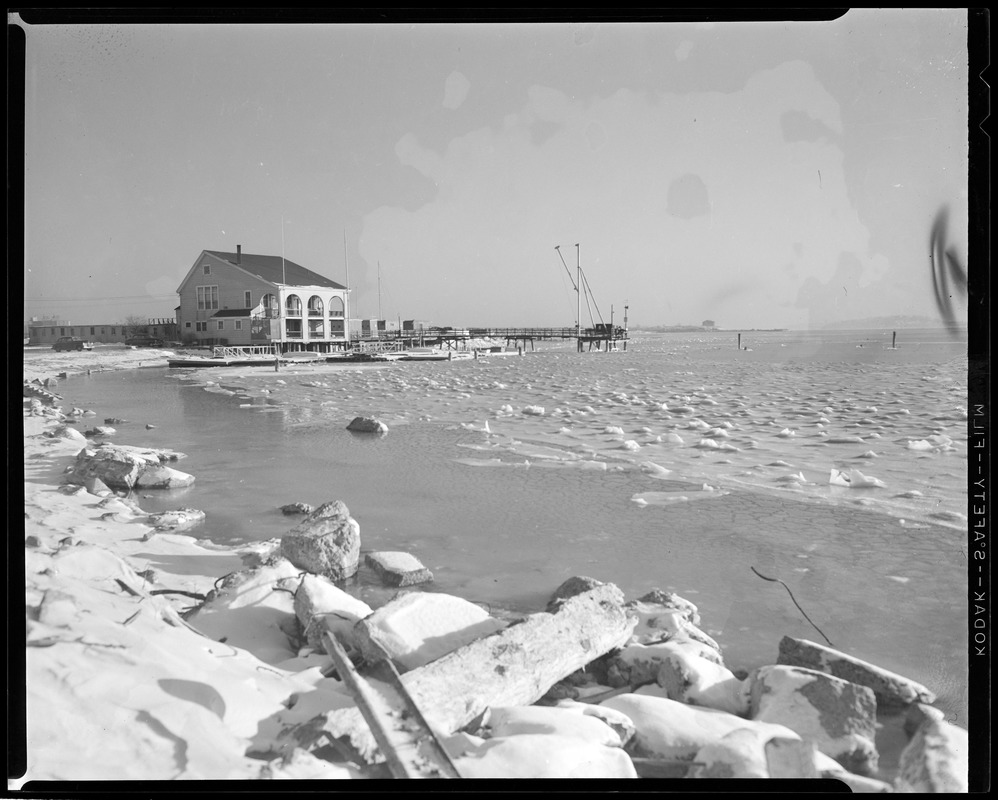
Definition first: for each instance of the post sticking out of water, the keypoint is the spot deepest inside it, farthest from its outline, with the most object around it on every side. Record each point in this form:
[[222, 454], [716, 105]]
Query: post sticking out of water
[[739, 341], [894, 340]]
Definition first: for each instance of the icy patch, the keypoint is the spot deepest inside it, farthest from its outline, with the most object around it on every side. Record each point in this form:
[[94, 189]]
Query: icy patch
[[671, 498], [935, 442], [655, 470], [854, 479], [542, 451], [949, 516]]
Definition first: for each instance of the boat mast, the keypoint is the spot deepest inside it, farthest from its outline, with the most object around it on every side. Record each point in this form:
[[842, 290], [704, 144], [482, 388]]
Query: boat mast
[[578, 294], [379, 290]]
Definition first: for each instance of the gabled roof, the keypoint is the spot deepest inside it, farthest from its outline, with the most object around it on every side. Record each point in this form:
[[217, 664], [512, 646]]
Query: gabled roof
[[276, 269]]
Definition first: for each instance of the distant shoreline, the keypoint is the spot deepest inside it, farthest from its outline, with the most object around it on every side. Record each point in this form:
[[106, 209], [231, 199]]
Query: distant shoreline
[[697, 329]]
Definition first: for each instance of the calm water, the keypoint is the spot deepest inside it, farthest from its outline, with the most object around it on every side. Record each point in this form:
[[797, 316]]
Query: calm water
[[679, 464]]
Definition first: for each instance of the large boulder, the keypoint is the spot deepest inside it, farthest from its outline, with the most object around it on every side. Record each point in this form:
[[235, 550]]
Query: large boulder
[[661, 612], [637, 664], [838, 716], [549, 720], [690, 678], [162, 477], [893, 691], [126, 467], [252, 609], [398, 569], [419, 627], [100, 430], [533, 755], [935, 760], [672, 731], [181, 519], [321, 606], [367, 425], [740, 753], [327, 542], [578, 584], [68, 432]]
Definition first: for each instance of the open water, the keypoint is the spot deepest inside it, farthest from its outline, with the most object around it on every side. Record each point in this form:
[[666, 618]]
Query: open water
[[827, 460]]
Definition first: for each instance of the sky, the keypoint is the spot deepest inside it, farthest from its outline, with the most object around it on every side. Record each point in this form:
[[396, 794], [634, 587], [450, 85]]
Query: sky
[[757, 174]]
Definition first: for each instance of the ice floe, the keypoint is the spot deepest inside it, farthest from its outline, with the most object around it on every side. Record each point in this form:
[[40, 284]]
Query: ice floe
[[854, 479]]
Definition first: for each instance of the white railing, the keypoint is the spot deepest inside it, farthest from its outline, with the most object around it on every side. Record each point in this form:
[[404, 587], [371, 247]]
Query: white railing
[[242, 351]]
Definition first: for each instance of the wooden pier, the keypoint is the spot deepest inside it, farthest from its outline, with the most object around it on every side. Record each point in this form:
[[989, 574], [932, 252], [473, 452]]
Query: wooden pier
[[600, 337]]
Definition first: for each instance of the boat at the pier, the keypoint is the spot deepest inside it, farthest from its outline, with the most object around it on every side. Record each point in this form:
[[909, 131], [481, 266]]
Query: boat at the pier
[[241, 357]]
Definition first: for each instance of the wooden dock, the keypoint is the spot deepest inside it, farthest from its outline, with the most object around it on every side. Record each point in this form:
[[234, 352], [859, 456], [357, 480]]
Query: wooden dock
[[601, 337]]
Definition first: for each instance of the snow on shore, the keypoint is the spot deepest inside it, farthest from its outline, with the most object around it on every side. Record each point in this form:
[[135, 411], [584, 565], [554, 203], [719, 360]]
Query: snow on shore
[[119, 687]]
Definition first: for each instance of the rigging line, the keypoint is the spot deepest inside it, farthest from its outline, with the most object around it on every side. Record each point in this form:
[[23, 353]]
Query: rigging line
[[571, 280], [595, 304], [563, 284], [589, 293], [558, 248]]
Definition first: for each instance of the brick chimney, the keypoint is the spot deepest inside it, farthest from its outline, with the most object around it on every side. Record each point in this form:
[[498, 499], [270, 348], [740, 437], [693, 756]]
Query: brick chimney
[[239, 253]]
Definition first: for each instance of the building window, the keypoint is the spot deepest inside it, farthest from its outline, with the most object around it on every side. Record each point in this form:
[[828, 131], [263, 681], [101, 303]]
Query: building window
[[207, 269], [207, 297], [112, 331], [221, 325], [248, 301], [201, 326], [239, 324], [187, 325], [62, 331], [102, 331], [292, 305], [93, 331]]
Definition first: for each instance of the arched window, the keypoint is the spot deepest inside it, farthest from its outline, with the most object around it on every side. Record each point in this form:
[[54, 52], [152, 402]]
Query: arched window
[[293, 305], [269, 303], [315, 306], [336, 307]]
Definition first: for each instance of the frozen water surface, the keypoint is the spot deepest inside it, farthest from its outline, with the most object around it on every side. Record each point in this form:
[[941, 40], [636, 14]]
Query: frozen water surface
[[679, 464]]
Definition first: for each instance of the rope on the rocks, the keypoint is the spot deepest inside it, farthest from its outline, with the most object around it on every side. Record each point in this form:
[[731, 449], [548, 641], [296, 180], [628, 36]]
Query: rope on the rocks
[[802, 611]]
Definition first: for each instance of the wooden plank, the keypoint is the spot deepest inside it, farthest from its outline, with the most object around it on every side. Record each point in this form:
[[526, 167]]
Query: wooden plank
[[409, 746], [515, 666]]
